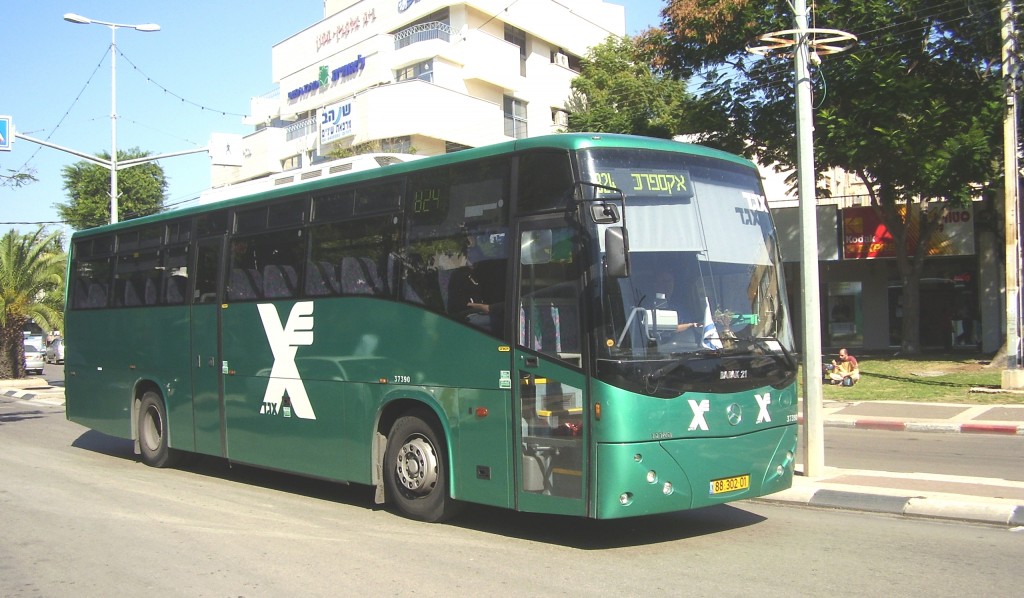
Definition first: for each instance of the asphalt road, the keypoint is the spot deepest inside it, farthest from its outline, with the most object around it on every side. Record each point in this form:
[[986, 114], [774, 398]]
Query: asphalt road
[[83, 518], [971, 455]]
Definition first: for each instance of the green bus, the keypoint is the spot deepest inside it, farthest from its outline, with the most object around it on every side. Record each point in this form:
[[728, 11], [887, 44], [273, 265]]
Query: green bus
[[579, 324]]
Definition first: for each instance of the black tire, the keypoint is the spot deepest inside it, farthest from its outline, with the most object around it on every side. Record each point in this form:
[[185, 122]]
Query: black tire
[[153, 432], [416, 471]]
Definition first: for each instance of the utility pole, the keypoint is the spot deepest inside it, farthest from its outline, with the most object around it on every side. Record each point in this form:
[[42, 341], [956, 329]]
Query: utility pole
[[804, 41], [1013, 375], [814, 440]]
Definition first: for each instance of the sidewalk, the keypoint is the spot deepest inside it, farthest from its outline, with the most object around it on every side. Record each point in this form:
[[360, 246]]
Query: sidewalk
[[924, 417], [935, 496]]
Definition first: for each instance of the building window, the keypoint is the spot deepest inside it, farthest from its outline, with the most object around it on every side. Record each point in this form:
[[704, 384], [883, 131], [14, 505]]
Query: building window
[[515, 117], [514, 35], [423, 71], [559, 118], [451, 147], [564, 59], [396, 145], [291, 163]]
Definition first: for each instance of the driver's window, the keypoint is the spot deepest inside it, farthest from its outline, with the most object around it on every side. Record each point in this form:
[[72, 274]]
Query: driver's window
[[549, 299]]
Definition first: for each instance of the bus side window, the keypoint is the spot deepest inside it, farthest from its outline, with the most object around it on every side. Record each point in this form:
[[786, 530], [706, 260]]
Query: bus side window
[[175, 276], [549, 308], [266, 265], [92, 284], [352, 257], [545, 181], [207, 264], [457, 257]]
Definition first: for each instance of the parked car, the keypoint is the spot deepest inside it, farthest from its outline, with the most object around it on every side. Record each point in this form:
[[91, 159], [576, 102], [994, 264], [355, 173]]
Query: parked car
[[34, 359], [55, 351], [34, 340]]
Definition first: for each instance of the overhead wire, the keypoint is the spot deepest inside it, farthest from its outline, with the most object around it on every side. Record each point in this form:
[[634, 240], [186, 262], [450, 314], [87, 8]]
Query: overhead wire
[[171, 93], [66, 112]]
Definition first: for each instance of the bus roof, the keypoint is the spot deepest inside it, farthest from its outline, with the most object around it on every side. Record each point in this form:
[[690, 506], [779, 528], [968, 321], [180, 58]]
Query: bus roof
[[566, 141]]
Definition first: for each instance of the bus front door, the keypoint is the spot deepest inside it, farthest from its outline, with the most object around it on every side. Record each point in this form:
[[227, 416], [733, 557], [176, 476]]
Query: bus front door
[[551, 386], [207, 379]]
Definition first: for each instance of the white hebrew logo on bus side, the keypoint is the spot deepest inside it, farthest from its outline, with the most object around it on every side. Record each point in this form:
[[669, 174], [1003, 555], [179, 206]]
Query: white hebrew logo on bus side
[[284, 342]]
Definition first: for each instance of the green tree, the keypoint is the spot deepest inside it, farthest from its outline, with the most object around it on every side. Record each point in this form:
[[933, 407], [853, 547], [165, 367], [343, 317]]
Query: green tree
[[31, 277], [619, 91], [141, 191], [17, 178], [913, 109]]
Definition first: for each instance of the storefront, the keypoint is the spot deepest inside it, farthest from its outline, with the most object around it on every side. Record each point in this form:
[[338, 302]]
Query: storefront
[[861, 287]]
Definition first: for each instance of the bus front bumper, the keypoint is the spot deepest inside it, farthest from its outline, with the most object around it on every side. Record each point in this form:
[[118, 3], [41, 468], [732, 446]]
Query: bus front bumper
[[644, 478]]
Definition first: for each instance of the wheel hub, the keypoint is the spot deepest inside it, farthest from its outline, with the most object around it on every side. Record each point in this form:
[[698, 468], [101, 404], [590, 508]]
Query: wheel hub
[[417, 466], [151, 430]]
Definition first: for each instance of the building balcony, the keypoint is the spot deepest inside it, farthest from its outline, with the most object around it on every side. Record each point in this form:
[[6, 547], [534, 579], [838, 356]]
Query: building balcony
[[419, 108], [490, 60], [422, 32]]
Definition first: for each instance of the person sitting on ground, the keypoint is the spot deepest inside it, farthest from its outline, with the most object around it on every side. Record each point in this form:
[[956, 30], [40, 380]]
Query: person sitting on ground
[[845, 368]]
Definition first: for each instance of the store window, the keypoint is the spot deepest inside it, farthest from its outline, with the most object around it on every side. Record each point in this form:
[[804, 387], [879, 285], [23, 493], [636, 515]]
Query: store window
[[845, 317]]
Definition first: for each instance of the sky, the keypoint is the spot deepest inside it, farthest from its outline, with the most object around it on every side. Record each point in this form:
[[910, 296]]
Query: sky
[[175, 86]]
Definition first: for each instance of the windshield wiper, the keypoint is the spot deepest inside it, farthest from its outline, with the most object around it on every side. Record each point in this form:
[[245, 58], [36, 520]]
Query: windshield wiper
[[773, 346], [680, 360]]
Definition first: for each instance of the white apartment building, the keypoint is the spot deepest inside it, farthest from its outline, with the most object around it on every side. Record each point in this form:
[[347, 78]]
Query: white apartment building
[[417, 76]]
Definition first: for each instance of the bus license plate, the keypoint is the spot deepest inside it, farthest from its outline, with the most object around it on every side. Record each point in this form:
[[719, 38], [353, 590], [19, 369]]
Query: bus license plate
[[740, 482]]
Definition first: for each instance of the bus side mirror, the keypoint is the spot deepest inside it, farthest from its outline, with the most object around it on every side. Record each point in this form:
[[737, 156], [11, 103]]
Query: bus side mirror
[[616, 252]]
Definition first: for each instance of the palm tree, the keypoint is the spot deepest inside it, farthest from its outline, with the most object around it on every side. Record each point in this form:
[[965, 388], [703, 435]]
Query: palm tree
[[31, 276]]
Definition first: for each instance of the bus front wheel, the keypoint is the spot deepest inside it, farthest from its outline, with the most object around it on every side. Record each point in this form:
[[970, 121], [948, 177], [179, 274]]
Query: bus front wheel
[[153, 432], [416, 473]]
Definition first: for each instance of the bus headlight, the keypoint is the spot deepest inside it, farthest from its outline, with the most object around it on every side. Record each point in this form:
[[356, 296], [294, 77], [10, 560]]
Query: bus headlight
[[652, 477], [626, 498], [667, 488]]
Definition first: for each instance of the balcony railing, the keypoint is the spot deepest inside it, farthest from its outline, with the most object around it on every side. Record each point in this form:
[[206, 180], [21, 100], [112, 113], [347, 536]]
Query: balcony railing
[[300, 128], [423, 32]]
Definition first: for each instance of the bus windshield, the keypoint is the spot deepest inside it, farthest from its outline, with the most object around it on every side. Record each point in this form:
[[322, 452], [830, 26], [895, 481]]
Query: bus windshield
[[702, 305]]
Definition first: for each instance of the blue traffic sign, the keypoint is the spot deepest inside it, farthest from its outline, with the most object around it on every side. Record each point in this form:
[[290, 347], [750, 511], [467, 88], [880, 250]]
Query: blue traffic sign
[[6, 133]]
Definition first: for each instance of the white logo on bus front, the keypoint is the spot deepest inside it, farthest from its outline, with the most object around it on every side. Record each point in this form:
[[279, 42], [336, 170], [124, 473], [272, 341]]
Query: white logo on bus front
[[763, 417], [699, 409], [284, 375]]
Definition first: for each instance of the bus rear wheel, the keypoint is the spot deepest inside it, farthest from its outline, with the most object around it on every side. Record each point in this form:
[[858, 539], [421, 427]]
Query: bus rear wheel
[[415, 471], [153, 432]]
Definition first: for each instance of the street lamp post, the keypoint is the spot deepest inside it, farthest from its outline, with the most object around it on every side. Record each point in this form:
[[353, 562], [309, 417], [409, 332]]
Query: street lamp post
[[74, 18]]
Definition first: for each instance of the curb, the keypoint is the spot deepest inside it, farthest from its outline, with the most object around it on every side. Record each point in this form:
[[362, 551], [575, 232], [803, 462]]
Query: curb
[[906, 506], [29, 395], [902, 426]]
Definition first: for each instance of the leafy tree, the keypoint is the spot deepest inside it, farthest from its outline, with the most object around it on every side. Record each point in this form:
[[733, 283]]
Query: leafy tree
[[141, 191], [383, 146], [618, 91], [914, 109], [17, 178], [31, 276]]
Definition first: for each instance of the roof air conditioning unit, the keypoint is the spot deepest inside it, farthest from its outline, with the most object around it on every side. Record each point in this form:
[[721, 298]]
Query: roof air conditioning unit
[[562, 60]]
